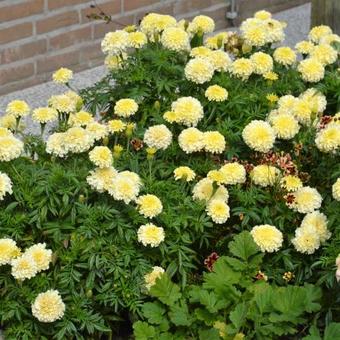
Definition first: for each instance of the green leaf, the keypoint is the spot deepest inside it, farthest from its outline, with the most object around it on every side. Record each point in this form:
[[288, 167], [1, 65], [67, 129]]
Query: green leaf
[[154, 312], [211, 334], [204, 315], [166, 291], [211, 302], [243, 246], [314, 334], [238, 315], [332, 331], [313, 294], [179, 315], [143, 331]]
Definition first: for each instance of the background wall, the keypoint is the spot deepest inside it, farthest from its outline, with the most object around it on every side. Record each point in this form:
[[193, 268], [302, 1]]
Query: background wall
[[39, 36]]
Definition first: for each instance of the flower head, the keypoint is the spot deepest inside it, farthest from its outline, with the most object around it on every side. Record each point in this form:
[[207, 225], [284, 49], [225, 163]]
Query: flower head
[[284, 56], [191, 140], [158, 137], [44, 115], [262, 62], [8, 251], [199, 70], [150, 235], [5, 185], [10, 148], [101, 179], [214, 142], [242, 68], [218, 210], [265, 175], [101, 156], [291, 183], [184, 173], [187, 111], [125, 107], [150, 278], [40, 255], [18, 108], [311, 70], [306, 200], [175, 39], [149, 205], [234, 173], [336, 190], [115, 43], [24, 267], [62, 76], [267, 237], [216, 93]]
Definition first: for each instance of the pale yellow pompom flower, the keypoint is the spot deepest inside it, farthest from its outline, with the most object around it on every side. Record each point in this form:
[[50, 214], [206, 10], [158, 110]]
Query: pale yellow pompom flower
[[234, 173], [199, 70], [115, 43], [242, 68], [262, 15], [305, 200], [116, 125], [150, 235], [8, 251], [18, 108], [328, 139], [5, 185], [158, 137], [284, 125], [24, 267], [284, 56], [175, 39], [218, 210], [48, 306], [259, 135], [149, 205], [324, 53], [306, 241], [201, 23], [291, 183], [187, 111], [191, 140], [184, 173], [317, 223], [125, 107], [62, 76], [137, 39], [304, 47], [44, 115], [318, 32], [81, 118], [262, 63], [336, 190], [101, 179], [10, 148], [267, 237], [41, 256], [150, 278], [265, 175], [311, 70], [101, 156], [216, 93], [214, 142]]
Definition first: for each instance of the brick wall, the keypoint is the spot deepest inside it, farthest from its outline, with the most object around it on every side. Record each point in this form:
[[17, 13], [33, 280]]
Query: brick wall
[[39, 36]]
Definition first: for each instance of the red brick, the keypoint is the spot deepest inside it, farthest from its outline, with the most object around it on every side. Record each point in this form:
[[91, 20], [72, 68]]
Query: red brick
[[24, 51], [21, 10], [17, 32], [57, 21], [55, 4], [93, 51], [185, 7], [218, 13], [11, 74], [130, 5], [112, 7], [70, 38], [51, 63]]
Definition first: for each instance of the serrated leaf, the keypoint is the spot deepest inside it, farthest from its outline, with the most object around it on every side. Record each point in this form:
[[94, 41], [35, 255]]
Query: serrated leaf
[[143, 331], [332, 331], [243, 246], [238, 315], [313, 294], [166, 291], [179, 315], [154, 312]]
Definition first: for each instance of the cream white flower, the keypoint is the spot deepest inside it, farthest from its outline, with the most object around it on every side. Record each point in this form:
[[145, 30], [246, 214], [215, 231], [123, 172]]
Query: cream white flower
[[150, 235], [158, 137]]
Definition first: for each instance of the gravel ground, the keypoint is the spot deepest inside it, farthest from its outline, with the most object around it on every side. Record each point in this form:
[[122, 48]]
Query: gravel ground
[[298, 22]]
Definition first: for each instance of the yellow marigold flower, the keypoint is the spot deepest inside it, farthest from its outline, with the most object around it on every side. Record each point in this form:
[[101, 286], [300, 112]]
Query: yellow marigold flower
[[267, 237], [311, 70], [255, 36], [291, 183], [264, 175], [158, 137], [318, 32], [63, 103], [200, 51], [317, 223], [101, 179], [234, 173], [77, 140], [62, 76], [8, 251], [137, 39], [101, 156], [184, 173], [218, 210], [4, 132], [204, 191], [115, 43], [336, 190], [324, 53], [199, 70], [285, 56], [191, 140], [150, 153], [220, 60], [130, 127], [262, 63], [262, 15], [271, 76], [317, 101], [170, 116], [217, 176], [156, 23], [76, 99], [306, 241], [306, 200], [175, 39], [125, 107], [202, 23], [214, 142], [44, 115], [271, 97], [18, 108], [287, 104], [8, 121], [116, 125], [41, 256], [55, 145], [48, 306], [96, 130], [188, 110], [5, 185], [284, 125], [242, 68], [327, 139], [329, 39], [149, 205], [81, 118], [259, 135], [24, 267], [150, 235], [304, 47], [125, 187], [302, 111], [10, 148], [150, 278], [216, 93]]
